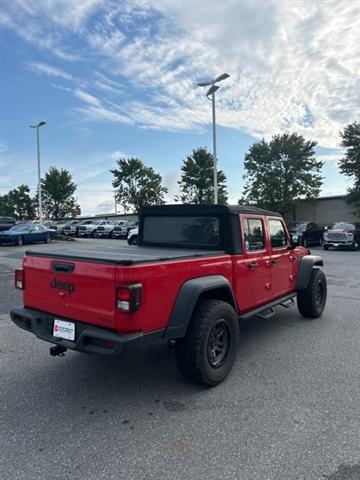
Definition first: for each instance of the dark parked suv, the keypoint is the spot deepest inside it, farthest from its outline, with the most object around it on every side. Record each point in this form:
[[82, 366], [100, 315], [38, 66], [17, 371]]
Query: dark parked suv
[[343, 235], [310, 233], [6, 223]]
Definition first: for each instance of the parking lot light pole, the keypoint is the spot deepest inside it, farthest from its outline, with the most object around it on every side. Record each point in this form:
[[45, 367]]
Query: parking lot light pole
[[211, 92], [40, 124]]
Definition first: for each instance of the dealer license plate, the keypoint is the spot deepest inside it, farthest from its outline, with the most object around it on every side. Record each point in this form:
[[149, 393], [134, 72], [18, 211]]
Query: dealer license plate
[[64, 330]]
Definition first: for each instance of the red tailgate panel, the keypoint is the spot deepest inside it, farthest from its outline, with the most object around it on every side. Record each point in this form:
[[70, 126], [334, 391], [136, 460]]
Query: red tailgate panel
[[86, 294]]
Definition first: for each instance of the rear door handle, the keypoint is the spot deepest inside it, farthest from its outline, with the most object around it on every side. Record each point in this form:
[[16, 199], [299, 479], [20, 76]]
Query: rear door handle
[[252, 265]]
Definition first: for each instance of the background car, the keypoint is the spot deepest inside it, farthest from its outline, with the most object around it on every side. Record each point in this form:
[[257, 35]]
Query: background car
[[310, 233], [70, 227], [6, 223], [89, 228], [342, 235], [121, 229], [26, 233], [57, 225], [133, 236], [105, 230]]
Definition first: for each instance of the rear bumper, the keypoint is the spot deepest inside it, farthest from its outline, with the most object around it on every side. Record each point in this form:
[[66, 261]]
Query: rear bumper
[[88, 338]]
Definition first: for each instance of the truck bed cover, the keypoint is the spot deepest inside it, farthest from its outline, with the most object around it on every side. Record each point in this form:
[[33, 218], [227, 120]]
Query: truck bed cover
[[125, 255]]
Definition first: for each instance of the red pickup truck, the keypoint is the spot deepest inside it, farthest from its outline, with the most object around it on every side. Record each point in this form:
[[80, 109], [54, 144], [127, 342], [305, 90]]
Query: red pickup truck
[[197, 271]]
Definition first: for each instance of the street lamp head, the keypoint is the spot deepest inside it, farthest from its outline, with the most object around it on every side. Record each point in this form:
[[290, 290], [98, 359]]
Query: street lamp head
[[204, 84], [221, 77], [40, 124], [212, 90]]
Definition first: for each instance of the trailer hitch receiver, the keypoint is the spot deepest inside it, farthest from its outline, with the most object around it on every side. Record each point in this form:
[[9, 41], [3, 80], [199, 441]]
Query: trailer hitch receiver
[[57, 351]]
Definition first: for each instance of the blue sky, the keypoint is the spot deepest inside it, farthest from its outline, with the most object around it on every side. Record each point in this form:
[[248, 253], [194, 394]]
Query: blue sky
[[118, 78]]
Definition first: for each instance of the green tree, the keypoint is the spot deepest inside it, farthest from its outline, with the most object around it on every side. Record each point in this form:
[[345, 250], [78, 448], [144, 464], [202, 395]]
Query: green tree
[[22, 202], [17, 203], [350, 163], [197, 179], [57, 190], [137, 185], [6, 209], [280, 172]]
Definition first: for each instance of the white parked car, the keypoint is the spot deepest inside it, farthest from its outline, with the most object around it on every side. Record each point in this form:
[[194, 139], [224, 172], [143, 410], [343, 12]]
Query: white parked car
[[121, 229], [105, 231], [88, 229], [133, 236], [70, 227]]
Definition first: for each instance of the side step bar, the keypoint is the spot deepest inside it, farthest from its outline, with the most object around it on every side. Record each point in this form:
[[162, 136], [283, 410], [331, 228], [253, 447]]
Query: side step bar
[[265, 314], [267, 310]]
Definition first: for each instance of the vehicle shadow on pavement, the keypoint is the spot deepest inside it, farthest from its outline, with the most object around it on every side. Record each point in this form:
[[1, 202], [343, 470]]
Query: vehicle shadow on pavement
[[133, 376]]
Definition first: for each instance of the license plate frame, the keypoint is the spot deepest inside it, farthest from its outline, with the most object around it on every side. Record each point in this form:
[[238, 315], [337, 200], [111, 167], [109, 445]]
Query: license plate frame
[[64, 329]]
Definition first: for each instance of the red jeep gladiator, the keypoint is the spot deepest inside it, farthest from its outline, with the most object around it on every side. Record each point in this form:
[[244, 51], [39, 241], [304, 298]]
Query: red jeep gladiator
[[197, 271]]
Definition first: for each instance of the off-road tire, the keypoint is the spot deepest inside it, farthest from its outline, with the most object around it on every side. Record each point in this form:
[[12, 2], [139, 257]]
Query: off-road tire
[[195, 352], [311, 301], [19, 241]]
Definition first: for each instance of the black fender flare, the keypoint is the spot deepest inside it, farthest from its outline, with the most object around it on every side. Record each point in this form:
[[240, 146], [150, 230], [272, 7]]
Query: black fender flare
[[187, 298], [306, 266]]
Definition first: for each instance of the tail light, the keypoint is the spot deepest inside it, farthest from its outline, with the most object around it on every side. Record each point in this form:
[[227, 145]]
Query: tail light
[[129, 297], [19, 279]]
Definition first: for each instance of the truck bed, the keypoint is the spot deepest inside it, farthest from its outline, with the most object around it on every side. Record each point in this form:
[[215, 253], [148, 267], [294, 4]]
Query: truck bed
[[125, 255]]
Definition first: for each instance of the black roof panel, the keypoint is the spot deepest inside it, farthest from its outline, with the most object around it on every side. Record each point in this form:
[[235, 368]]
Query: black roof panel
[[204, 209]]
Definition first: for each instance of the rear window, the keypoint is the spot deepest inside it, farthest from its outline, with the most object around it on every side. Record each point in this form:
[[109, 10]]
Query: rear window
[[187, 230]]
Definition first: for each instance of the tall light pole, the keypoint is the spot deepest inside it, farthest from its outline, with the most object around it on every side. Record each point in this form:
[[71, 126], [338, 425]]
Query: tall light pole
[[40, 124], [213, 88]]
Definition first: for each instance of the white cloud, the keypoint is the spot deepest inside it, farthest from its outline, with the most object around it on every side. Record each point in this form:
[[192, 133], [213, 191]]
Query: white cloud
[[87, 98], [293, 65], [331, 157], [46, 69]]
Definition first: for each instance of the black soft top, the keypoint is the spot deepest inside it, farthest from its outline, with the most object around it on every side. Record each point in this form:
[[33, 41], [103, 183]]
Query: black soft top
[[205, 209], [228, 215]]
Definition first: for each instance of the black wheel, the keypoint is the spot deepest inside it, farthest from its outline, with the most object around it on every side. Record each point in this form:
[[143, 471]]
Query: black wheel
[[354, 247], [305, 243], [326, 247], [207, 353], [47, 238], [133, 241], [311, 301], [92, 234], [19, 241]]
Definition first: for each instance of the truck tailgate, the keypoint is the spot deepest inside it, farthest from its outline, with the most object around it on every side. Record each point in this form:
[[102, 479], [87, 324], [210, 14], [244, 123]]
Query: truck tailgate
[[71, 289]]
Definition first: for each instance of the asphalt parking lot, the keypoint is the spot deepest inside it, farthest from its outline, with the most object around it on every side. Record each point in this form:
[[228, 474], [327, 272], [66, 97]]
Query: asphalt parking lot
[[290, 409]]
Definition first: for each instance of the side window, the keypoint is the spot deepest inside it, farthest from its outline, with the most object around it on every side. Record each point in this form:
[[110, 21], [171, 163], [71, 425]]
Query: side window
[[254, 234], [277, 234]]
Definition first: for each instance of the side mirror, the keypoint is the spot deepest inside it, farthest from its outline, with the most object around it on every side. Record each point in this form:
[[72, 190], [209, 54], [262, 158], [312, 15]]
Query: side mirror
[[295, 240]]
